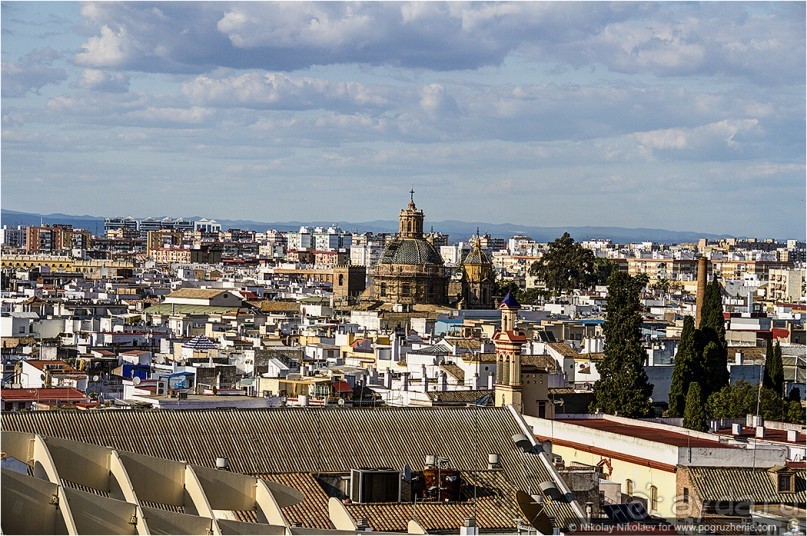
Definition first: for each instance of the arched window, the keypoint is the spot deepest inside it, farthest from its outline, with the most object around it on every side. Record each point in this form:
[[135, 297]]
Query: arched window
[[629, 487], [653, 498], [341, 279]]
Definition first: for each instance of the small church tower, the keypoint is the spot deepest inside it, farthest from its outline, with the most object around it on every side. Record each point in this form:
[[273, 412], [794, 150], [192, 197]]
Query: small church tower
[[410, 220], [509, 340], [478, 277]]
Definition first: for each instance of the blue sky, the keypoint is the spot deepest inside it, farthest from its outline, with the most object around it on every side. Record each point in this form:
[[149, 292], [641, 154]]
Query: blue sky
[[681, 116]]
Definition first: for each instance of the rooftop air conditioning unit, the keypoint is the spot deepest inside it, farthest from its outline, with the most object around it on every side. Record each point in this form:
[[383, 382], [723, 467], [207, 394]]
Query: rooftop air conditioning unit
[[375, 485]]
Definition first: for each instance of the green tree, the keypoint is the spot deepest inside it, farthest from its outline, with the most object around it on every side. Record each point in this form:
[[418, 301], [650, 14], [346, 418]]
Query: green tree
[[767, 379], [603, 268], [623, 387], [565, 266], [685, 370], [695, 412], [740, 399], [778, 371], [774, 377], [711, 341]]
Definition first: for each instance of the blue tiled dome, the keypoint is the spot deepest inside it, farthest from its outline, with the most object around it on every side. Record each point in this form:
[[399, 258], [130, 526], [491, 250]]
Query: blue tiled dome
[[410, 251]]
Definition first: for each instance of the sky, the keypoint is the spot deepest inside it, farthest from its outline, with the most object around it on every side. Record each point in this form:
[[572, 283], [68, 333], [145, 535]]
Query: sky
[[667, 115]]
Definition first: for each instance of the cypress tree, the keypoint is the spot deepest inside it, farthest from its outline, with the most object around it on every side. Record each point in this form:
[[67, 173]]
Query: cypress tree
[[778, 371], [711, 341], [767, 378], [715, 369], [695, 411], [623, 387], [685, 369]]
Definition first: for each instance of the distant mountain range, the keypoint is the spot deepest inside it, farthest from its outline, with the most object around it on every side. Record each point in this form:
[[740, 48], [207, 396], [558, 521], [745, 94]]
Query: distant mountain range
[[457, 230]]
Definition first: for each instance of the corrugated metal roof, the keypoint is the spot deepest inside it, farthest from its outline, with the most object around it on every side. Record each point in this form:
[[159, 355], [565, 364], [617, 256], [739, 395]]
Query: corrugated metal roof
[[308, 439]]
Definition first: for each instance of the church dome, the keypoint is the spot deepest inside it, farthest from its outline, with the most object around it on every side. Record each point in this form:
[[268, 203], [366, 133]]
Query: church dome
[[476, 256], [410, 251]]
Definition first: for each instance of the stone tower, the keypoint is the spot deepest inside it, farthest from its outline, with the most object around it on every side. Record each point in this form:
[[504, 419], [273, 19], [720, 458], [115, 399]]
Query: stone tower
[[509, 340], [410, 220]]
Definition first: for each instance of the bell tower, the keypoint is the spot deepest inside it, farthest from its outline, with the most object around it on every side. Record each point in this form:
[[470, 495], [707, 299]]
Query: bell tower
[[410, 220], [509, 340]]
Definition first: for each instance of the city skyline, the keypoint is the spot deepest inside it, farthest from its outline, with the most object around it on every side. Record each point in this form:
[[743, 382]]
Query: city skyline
[[658, 115]]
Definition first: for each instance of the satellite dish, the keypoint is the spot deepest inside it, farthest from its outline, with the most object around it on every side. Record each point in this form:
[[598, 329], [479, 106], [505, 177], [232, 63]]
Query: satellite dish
[[96, 378], [341, 401], [407, 473], [136, 380], [534, 512], [42, 377]]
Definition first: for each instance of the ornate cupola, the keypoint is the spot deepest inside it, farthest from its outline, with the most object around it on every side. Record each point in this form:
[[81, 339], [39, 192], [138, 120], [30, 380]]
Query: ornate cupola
[[509, 340], [411, 220]]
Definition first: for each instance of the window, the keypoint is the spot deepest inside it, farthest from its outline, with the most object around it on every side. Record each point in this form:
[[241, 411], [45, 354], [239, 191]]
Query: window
[[785, 483], [383, 290], [653, 498], [629, 488], [685, 499]]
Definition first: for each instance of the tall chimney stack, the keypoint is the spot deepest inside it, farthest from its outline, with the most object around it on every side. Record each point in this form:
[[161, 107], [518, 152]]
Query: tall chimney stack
[[703, 267]]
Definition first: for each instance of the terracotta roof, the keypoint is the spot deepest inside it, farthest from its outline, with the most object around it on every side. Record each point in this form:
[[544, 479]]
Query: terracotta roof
[[717, 483], [563, 349], [541, 361], [465, 344], [313, 511], [770, 434], [659, 435], [454, 371], [196, 293], [43, 394], [494, 508], [272, 306], [308, 440], [463, 397]]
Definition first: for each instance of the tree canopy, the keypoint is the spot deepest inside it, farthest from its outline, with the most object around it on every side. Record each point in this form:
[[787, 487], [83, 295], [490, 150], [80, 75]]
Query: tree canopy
[[687, 368], [710, 340], [695, 412], [623, 387], [740, 399], [566, 266], [777, 372]]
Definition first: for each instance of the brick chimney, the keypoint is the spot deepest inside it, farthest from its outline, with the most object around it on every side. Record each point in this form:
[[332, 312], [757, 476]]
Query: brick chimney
[[703, 267]]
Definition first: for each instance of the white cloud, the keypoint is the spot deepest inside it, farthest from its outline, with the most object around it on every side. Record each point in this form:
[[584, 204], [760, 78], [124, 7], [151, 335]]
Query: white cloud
[[98, 80], [278, 90], [110, 49]]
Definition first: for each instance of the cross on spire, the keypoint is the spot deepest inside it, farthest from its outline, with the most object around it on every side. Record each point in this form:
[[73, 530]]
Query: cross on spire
[[412, 195]]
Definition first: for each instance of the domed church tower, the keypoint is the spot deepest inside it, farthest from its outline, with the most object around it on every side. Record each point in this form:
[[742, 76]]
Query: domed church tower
[[410, 269], [478, 277]]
